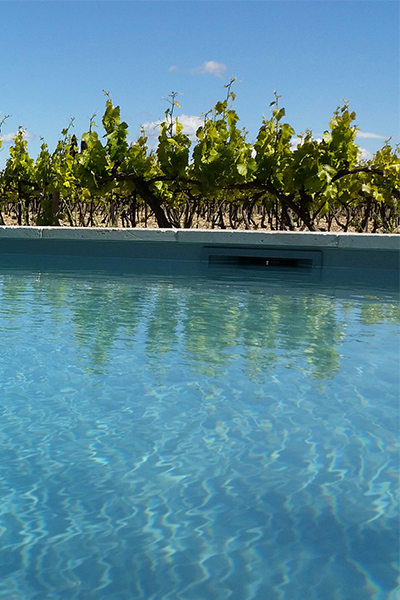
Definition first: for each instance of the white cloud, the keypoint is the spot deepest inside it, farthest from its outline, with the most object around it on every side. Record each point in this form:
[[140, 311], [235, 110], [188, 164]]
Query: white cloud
[[8, 138], [190, 123], [365, 134], [172, 69], [210, 68], [365, 154], [296, 141]]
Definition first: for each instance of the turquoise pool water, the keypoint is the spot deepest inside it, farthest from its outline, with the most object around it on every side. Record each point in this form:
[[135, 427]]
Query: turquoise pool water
[[196, 439]]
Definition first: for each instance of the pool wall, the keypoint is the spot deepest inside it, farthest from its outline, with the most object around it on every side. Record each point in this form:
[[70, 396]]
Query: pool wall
[[377, 255]]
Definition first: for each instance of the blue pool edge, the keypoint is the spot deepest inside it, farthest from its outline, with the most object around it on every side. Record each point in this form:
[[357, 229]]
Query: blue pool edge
[[344, 241], [371, 259]]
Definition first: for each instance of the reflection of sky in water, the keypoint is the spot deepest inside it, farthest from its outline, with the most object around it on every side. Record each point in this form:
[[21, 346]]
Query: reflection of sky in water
[[162, 440]]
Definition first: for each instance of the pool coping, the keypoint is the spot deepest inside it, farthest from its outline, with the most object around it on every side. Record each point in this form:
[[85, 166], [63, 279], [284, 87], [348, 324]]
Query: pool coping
[[342, 241]]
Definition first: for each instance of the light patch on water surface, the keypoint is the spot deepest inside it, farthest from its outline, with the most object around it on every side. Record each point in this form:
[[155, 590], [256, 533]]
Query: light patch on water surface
[[167, 440]]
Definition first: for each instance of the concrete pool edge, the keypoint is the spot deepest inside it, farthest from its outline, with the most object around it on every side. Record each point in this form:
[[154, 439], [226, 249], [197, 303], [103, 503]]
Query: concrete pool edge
[[282, 239]]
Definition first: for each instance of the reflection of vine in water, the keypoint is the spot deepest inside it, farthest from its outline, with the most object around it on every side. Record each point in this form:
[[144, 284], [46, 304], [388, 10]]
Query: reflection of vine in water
[[161, 324], [259, 334], [100, 313], [210, 329], [323, 334], [376, 312], [12, 292], [288, 328]]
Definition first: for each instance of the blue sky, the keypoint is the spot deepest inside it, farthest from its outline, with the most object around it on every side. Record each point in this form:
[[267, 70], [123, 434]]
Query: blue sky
[[56, 57]]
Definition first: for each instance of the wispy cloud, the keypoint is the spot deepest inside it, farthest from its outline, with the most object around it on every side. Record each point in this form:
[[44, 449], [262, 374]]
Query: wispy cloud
[[365, 134], [172, 69], [8, 138], [190, 123], [210, 67]]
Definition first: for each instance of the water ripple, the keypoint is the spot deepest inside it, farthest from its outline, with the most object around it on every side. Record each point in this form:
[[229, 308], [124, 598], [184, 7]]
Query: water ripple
[[147, 454]]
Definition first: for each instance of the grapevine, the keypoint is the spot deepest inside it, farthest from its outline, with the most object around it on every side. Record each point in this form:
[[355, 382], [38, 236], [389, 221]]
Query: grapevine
[[282, 181]]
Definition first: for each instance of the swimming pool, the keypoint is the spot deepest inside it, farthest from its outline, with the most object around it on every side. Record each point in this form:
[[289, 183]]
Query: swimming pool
[[223, 436]]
